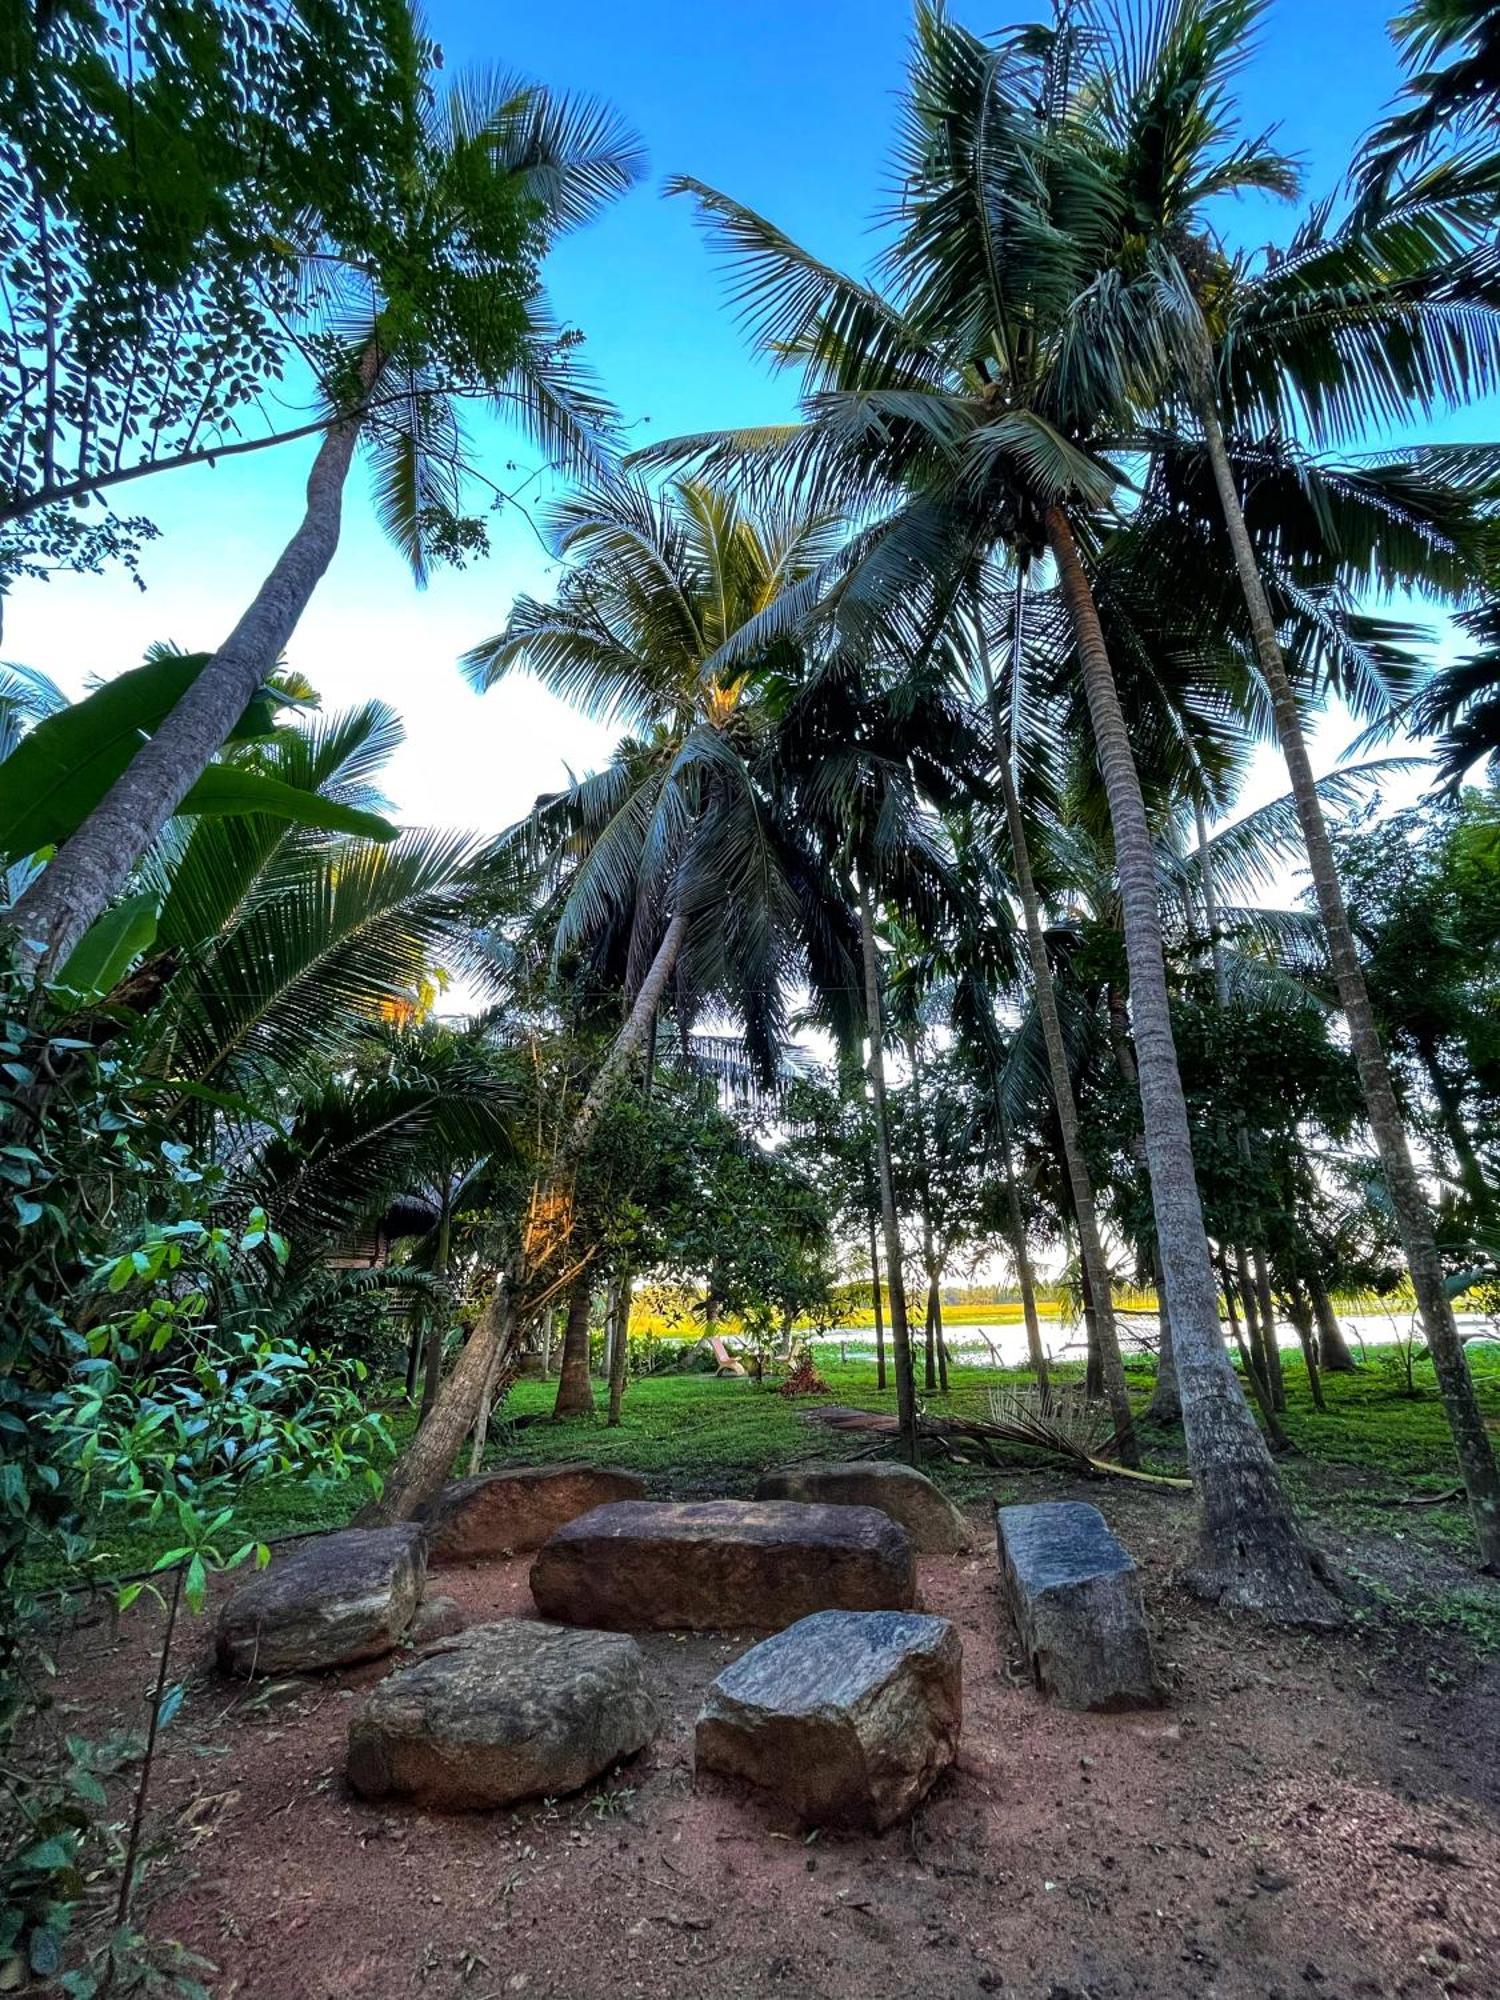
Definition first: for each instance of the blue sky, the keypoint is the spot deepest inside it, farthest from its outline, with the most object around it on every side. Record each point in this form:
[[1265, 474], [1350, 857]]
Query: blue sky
[[789, 108]]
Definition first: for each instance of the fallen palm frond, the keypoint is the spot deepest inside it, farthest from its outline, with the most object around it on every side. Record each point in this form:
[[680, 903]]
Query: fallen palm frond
[[1058, 1432]]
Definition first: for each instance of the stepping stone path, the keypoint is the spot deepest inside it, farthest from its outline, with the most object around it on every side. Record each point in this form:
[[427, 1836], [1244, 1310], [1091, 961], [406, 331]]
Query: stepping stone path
[[518, 1507], [337, 1599], [935, 1525], [508, 1711], [1075, 1595], [847, 1718], [706, 1564]]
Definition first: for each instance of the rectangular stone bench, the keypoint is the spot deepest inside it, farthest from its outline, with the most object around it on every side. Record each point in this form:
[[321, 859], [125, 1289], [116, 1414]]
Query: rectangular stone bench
[[1075, 1595], [702, 1565]]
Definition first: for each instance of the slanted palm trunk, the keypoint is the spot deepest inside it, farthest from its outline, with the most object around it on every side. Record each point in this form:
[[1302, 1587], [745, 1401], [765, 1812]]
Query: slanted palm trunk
[[93, 865], [425, 1463], [1476, 1457], [1091, 1249], [1250, 1551], [575, 1392], [906, 1393]]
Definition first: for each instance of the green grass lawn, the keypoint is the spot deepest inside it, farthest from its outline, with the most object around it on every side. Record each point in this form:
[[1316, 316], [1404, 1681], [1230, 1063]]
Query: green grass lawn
[[694, 1434]]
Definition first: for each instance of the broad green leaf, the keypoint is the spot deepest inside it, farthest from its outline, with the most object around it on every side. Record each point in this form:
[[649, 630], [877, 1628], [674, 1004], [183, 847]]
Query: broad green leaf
[[225, 790], [109, 947], [58, 773]]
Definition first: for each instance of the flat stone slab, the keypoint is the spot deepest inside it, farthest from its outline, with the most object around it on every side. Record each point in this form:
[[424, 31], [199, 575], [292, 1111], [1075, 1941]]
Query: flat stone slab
[[847, 1718], [1075, 1594], [518, 1507], [935, 1525], [337, 1599], [701, 1565], [513, 1710]]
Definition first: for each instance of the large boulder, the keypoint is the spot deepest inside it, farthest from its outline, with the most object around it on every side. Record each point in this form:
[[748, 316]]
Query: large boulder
[[518, 1507], [1075, 1595], [508, 1711], [334, 1600], [704, 1564], [847, 1718], [935, 1525]]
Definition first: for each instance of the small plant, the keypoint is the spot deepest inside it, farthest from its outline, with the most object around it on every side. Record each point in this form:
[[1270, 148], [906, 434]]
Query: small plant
[[803, 1379]]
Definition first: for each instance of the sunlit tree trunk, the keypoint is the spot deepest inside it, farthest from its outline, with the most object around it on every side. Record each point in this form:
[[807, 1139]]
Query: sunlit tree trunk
[[453, 1413], [1250, 1551], [94, 864], [575, 1391], [1471, 1443]]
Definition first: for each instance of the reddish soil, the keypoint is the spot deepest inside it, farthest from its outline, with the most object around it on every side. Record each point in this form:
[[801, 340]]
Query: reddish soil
[[1306, 1818]]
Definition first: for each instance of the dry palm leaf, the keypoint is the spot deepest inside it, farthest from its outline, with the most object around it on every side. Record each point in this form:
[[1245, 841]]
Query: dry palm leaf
[[1066, 1427]]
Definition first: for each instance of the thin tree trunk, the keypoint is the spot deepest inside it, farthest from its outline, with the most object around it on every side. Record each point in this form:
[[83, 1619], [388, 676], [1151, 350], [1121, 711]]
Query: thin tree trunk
[[1250, 1551], [1245, 1286], [1165, 1406], [1024, 1276], [929, 1340], [438, 1316], [1254, 1373], [1270, 1339], [549, 1334], [1302, 1320], [96, 861], [1091, 1250], [1333, 1349], [937, 1327], [575, 1392], [906, 1397], [1476, 1457], [619, 1353], [879, 1312], [1470, 1172], [428, 1459]]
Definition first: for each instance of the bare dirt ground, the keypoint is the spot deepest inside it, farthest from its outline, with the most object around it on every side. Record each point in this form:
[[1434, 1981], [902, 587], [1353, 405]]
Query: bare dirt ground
[[1306, 1818]]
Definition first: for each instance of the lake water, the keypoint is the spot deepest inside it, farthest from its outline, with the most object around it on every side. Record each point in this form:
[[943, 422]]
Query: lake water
[[1005, 1345]]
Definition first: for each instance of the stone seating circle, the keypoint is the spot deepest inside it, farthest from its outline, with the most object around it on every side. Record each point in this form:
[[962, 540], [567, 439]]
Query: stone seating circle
[[333, 1601]]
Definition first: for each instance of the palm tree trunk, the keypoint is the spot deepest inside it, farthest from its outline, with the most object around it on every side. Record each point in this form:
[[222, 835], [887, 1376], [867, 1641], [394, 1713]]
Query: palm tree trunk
[[428, 1459], [575, 1392], [879, 1313], [1254, 1372], [1091, 1249], [1476, 1457], [906, 1392], [1269, 1338], [1302, 1319], [1019, 1250], [1333, 1349], [93, 865], [1250, 1551]]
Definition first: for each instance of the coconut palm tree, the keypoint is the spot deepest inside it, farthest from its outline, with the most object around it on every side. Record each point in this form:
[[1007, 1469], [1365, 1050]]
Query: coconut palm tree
[[443, 306], [975, 408], [1393, 311], [676, 874]]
